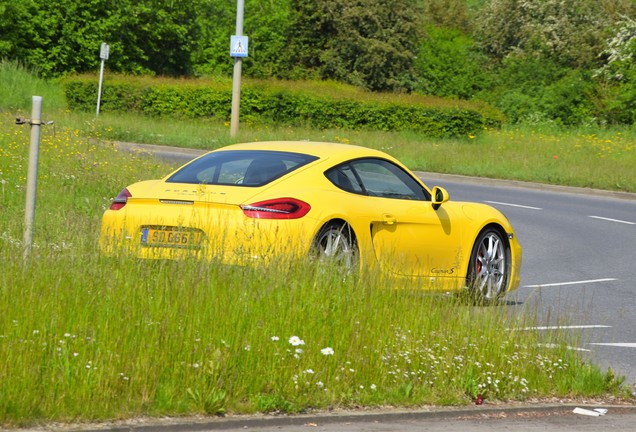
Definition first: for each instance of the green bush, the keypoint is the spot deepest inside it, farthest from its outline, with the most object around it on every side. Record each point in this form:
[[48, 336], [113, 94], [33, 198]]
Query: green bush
[[449, 64], [317, 105], [531, 88]]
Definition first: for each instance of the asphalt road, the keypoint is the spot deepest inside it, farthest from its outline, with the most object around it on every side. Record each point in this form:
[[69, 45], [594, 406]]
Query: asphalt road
[[578, 265], [552, 418]]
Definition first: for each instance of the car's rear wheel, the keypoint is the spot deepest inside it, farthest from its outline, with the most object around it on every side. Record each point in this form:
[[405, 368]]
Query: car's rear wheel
[[336, 245], [489, 268]]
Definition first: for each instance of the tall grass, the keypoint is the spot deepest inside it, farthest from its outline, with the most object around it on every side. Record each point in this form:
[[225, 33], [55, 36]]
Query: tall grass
[[86, 337], [18, 84]]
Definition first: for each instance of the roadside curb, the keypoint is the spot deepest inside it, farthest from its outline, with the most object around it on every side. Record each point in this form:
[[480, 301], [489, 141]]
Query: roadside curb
[[201, 423]]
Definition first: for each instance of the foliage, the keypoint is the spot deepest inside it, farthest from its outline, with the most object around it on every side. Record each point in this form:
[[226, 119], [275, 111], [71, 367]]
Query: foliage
[[449, 64], [18, 85], [533, 89], [145, 36], [368, 43], [618, 74], [569, 32], [452, 14], [320, 106], [265, 22], [450, 48]]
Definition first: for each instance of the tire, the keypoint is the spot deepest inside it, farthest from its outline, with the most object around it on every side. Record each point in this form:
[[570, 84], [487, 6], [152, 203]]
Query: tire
[[336, 244], [489, 267]]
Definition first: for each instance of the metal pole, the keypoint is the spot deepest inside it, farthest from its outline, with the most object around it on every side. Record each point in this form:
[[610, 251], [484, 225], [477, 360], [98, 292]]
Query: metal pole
[[32, 175], [99, 91], [236, 78]]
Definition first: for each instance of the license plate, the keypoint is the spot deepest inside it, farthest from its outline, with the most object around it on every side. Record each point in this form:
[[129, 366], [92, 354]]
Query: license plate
[[171, 237]]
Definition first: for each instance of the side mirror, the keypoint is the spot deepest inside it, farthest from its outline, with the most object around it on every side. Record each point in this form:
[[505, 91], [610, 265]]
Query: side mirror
[[440, 196]]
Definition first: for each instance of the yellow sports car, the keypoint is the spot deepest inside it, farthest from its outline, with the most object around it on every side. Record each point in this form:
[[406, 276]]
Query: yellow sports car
[[259, 202]]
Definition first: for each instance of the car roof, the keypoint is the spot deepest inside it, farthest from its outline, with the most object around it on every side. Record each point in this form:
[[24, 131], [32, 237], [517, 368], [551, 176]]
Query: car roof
[[322, 150]]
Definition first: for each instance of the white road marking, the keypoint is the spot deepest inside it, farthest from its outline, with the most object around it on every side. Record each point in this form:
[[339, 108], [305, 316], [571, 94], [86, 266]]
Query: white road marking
[[513, 205], [570, 283], [621, 345], [571, 348], [613, 220], [565, 327]]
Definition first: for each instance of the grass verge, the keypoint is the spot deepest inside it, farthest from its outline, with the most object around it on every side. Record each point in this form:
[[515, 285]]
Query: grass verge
[[88, 338]]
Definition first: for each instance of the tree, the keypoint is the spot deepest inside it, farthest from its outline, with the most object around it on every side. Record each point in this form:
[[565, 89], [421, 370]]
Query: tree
[[369, 43], [617, 76], [156, 36], [62, 37], [452, 14], [265, 23], [569, 32], [449, 64]]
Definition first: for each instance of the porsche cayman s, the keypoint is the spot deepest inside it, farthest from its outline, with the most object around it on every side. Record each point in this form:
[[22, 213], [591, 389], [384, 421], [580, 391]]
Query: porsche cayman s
[[259, 202]]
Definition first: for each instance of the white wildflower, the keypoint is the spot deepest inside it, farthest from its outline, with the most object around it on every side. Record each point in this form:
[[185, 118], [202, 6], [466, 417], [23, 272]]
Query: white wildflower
[[296, 341], [327, 351]]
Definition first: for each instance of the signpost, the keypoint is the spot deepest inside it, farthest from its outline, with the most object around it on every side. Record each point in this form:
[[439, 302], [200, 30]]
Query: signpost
[[103, 54], [238, 50]]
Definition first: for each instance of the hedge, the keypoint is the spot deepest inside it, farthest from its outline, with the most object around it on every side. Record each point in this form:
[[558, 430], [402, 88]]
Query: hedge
[[324, 105]]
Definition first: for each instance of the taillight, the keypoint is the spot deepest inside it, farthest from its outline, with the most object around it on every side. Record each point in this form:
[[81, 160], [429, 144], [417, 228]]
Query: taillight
[[120, 200], [280, 208]]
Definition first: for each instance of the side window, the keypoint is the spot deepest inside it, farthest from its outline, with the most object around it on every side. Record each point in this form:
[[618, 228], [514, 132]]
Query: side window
[[343, 177], [382, 178]]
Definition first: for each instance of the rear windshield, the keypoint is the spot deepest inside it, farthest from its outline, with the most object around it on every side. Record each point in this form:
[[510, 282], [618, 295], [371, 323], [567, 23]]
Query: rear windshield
[[240, 167]]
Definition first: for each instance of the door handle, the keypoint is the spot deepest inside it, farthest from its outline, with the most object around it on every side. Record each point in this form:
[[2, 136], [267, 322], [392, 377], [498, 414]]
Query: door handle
[[388, 219]]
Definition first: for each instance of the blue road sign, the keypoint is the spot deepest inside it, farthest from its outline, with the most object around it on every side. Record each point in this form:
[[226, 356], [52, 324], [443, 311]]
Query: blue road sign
[[238, 46]]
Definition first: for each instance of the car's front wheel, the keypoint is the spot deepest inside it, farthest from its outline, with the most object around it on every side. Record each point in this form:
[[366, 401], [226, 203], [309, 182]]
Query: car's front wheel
[[489, 268], [336, 244]]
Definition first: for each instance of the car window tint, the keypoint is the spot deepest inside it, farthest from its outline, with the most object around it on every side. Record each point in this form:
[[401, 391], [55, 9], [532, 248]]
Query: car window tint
[[382, 178], [343, 177], [240, 167]]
